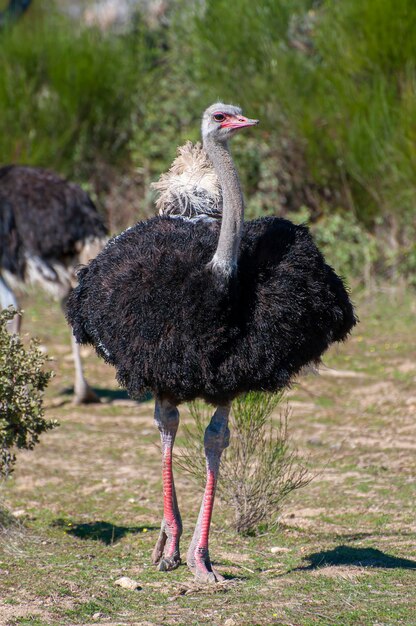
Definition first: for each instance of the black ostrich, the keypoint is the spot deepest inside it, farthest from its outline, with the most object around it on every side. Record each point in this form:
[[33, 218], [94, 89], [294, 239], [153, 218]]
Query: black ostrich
[[48, 226], [194, 307]]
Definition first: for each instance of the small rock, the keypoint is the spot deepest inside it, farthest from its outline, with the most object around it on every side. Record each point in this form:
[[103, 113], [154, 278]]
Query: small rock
[[276, 549], [128, 583], [97, 615], [230, 622], [315, 441]]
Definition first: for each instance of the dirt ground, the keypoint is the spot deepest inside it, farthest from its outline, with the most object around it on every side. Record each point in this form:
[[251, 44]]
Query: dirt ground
[[88, 500]]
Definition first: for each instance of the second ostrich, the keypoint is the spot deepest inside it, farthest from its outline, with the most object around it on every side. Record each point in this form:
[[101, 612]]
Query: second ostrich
[[207, 308], [48, 226]]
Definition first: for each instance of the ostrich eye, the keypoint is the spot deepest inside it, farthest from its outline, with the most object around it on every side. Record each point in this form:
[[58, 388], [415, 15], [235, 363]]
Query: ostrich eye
[[219, 117]]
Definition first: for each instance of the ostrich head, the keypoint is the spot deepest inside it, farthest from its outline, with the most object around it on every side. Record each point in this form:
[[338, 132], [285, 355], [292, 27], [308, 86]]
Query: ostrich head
[[221, 121]]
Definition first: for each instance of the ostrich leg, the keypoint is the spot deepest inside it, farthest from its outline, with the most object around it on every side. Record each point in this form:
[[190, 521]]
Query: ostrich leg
[[217, 437], [83, 394], [166, 552], [7, 298]]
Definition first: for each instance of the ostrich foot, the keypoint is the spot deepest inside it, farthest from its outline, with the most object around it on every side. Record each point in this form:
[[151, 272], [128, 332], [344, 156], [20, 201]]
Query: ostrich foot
[[200, 565], [85, 395], [167, 564], [166, 551]]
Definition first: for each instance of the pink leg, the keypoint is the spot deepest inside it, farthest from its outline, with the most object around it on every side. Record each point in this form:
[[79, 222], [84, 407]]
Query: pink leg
[[217, 437], [166, 552]]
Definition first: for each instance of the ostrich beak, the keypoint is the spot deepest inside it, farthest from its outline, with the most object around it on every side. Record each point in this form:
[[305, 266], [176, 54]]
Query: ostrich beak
[[238, 121]]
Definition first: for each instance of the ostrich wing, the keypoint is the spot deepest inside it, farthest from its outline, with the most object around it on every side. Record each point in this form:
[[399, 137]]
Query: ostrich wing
[[190, 188]]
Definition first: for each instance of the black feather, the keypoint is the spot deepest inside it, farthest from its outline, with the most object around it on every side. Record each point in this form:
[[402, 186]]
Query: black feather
[[152, 308], [42, 215]]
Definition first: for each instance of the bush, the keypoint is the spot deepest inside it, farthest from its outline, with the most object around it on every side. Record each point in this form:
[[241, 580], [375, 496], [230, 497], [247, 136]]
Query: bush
[[334, 91], [69, 94], [346, 244], [258, 470], [336, 98], [327, 73], [22, 383]]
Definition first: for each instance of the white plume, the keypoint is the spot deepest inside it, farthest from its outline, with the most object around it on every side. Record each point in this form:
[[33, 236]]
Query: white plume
[[190, 188]]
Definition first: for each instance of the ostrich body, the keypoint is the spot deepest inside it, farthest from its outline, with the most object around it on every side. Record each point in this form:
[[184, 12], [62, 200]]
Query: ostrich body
[[203, 308], [48, 226]]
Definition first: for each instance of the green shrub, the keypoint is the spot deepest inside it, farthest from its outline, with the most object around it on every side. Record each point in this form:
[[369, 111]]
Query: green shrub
[[345, 242], [331, 74], [259, 469], [68, 94], [22, 383], [334, 91], [330, 79]]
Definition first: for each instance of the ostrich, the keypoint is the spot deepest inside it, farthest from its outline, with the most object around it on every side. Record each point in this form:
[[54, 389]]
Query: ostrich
[[197, 307], [47, 227]]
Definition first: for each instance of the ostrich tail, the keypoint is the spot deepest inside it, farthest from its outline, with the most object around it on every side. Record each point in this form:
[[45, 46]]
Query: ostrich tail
[[190, 188]]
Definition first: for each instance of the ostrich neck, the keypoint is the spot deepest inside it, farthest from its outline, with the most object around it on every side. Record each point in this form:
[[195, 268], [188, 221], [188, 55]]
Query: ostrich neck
[[225, 258]]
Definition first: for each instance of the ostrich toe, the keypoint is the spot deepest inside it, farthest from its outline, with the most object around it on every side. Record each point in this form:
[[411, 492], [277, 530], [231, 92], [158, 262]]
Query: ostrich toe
[[203, 571], [166, 564], [201, 567], [166, 551], [159, 547]]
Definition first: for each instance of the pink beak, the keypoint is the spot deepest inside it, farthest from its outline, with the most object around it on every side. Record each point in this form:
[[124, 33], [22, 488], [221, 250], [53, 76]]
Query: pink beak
[[238, 121]]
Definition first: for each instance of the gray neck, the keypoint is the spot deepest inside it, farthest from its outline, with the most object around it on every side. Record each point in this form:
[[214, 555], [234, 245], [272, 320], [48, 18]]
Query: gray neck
[[225, 258]]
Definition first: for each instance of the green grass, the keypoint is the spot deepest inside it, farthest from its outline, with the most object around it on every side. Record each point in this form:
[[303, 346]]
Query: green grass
[[68, 93], [90, 499], [334, 91]]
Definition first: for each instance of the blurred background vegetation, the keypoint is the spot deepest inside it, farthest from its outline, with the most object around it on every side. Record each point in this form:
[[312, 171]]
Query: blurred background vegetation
[[104, 92]]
